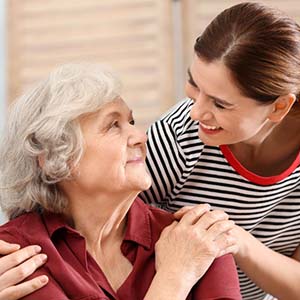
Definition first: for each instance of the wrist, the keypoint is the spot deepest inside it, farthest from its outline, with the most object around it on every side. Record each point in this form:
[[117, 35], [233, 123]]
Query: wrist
[[169, 285], [244, 243]]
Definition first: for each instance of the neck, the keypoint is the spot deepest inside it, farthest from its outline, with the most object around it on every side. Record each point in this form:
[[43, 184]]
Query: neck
[[101, 220], [272, 150], [274, 134]]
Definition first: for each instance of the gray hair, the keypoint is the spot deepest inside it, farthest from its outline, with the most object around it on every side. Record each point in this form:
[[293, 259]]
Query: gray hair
[[43, 125]]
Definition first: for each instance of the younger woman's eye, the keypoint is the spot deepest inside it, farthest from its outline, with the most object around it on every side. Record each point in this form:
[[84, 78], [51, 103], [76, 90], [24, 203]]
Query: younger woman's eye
[[132, 122], [192, 83], [218, 105]]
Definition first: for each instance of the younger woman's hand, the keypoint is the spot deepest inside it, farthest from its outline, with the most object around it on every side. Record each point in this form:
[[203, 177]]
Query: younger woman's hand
[[15, 265]]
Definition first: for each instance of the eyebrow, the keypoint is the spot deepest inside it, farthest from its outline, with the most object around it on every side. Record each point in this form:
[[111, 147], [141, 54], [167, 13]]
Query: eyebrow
[[220, 101], [116, 114]]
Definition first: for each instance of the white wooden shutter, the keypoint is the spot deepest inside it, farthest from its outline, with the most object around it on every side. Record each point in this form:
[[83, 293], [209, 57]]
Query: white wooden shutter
[[197, 14], [132, 36]]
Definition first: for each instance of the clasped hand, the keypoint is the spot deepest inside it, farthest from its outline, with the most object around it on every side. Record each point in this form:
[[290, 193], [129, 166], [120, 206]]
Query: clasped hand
[[191, 243]]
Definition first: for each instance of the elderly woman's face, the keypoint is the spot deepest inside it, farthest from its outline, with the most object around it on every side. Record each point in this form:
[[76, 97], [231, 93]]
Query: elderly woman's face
[[114, 152]]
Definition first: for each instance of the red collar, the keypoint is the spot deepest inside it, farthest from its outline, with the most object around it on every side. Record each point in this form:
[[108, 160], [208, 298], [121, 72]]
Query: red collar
[[261, 180], [138, 224]]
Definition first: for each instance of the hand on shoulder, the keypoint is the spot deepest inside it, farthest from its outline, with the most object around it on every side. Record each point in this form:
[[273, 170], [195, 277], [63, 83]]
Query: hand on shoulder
[[15, 265], [187, 247]]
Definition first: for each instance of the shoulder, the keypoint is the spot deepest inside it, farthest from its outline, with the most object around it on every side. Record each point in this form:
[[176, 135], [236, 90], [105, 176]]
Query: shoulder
[[177, 119], [157, 217], [175, 133], [21, 229], [220, 281], [177, 110], [25, 221], [160, 217]]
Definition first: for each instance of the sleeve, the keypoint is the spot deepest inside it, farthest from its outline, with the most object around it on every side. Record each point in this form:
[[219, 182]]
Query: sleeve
[[219, 282], [52, 290], [166, 159]]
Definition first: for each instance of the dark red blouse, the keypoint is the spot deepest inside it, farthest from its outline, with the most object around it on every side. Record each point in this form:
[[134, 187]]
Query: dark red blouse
[[74, 274]]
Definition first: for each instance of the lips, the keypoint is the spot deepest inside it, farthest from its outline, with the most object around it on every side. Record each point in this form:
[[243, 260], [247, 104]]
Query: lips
[[136, 160], [208, 129]]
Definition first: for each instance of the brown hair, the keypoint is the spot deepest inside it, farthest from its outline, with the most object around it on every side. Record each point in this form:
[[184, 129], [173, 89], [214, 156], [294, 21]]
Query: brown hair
[[259, 45]]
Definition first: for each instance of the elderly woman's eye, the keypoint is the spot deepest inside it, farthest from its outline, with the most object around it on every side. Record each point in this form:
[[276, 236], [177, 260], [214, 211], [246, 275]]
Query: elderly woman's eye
[[114, 124]]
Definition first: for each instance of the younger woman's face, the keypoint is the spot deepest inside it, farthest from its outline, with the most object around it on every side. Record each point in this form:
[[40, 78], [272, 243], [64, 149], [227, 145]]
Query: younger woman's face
[[225, 116]]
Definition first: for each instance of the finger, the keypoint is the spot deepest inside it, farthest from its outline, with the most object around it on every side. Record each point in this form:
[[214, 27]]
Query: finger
[[6, 248], [233, 249], [9, 261], [219, 228], [193, 215], [169, 228], [19, 273], [182, 211], [23, 289], [210, 218]]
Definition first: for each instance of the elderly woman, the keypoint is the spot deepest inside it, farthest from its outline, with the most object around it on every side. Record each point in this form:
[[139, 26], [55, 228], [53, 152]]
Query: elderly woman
[[72, 164]]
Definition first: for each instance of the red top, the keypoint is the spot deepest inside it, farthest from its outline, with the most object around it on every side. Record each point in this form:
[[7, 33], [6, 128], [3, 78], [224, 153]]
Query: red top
[[74, 274]]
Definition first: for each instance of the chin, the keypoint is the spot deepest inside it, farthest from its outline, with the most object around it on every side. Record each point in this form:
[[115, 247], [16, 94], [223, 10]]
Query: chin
[[144, 183], [209, 142]]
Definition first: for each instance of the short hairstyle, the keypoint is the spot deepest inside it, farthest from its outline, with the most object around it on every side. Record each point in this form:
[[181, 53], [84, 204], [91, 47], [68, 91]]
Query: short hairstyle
[[259, 45], [43, 123]]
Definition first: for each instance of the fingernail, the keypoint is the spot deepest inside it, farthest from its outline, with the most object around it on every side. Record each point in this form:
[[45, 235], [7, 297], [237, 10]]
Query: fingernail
[[15, 246], [44, 279], [37, 249], [43, 258]]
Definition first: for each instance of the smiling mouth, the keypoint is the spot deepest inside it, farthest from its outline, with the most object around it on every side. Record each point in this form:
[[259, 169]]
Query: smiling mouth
[[207, 127]]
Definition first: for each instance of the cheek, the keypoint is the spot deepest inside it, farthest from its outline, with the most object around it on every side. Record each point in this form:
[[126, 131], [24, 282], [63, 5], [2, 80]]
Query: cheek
[[245, 127], [194, 114]]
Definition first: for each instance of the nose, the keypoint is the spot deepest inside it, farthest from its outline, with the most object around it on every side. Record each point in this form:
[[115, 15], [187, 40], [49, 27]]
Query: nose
[[137, 137], [201, 109]]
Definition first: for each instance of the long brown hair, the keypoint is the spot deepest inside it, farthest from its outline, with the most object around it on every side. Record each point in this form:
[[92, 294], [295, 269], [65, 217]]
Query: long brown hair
[[259, 45]]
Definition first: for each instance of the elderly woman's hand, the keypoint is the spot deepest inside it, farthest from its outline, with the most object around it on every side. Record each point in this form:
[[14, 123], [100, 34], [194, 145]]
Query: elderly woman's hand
[[188, 247], [15, 265], [227, 241]]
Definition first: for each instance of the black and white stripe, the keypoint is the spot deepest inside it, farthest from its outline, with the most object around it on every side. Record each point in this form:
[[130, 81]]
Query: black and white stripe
[[187, 172]]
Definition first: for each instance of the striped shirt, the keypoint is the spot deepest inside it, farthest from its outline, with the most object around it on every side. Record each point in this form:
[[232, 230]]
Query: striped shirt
[[186, 172]]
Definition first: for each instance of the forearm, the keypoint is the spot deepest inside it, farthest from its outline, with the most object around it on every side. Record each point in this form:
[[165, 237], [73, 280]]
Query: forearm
[[164, 287], [275, 273]]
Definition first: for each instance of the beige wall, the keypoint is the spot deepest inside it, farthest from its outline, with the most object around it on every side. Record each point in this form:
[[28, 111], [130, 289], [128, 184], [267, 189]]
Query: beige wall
[[132, 36]]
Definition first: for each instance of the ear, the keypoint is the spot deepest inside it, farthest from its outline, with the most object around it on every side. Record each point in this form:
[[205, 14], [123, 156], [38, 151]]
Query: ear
[[281, 107]]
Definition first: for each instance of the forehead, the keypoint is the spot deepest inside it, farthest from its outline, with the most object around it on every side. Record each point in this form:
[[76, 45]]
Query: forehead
[[116, 107], [214, 78]]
